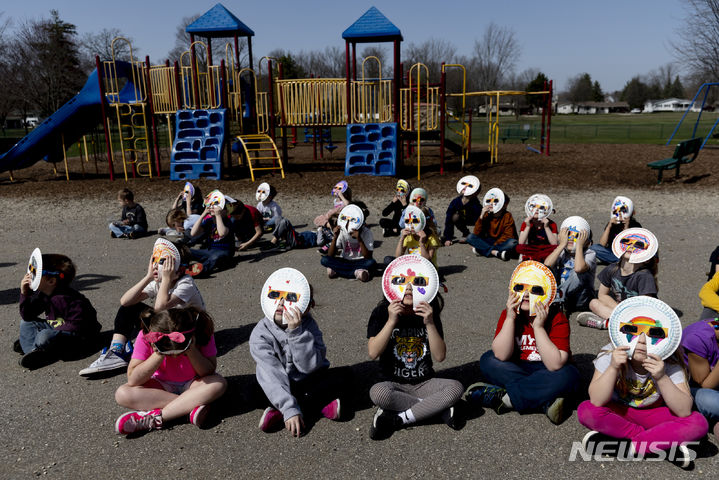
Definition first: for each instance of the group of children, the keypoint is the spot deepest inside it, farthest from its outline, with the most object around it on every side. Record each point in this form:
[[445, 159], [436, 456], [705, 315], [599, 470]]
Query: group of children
[[171, 365]]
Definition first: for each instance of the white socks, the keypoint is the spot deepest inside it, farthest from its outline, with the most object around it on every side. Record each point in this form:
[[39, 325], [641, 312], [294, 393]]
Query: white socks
[[407, 416], [507, 401]]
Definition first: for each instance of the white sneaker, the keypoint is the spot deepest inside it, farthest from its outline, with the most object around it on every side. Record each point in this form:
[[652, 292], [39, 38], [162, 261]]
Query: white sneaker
[[589, 319], [109, 360]]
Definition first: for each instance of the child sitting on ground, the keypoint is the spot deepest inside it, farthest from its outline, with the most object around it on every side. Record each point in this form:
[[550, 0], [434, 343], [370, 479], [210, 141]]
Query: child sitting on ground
[[215, 226], [355, 239], [175, 230], [463, 211], [285, 237], [166, 284], [247, 224], [56, 320], [418, 198], [620, 219], [268, 208], [573, 268], [538, 234], [133, 222], [292, 367], [392, 213], [494, 233], [191, 201], [709, 296], [700, 341], [418, 237], [172, 371], [634, 274]]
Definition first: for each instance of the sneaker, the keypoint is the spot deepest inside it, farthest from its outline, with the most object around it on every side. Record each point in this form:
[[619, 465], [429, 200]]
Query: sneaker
[[198, 415], [109, 360], [16, 347], [132, 422], [332, 410], [132, 235], [331, 273], [362, 275], [451, 418], [486, 395], [195, 269], [474, 250], [462, 240], [504, 255], [270, 419], [589, 441], [556, 411], [383, 424], [324, 249], [269, 247], [35, 359], [589, 319], [112, 235]]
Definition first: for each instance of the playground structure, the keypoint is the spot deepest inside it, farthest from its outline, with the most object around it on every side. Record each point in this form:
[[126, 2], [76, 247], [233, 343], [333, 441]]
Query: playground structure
[[705, 88], [205, 107]]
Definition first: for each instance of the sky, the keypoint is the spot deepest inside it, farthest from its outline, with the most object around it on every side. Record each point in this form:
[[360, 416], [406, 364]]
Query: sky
[[611, 40]]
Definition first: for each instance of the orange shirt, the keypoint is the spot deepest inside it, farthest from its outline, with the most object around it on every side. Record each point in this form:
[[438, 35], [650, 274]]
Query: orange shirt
[[499, 228]]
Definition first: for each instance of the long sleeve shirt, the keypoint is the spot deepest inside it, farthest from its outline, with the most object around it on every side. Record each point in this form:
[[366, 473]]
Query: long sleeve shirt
[[500, 229]]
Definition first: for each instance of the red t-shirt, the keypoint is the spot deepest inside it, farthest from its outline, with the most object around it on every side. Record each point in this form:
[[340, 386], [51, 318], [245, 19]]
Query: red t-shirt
[[557, 329], [537, 233]]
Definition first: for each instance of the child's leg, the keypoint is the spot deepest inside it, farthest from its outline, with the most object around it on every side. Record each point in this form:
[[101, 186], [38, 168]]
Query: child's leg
[[116, 230], [707, 402], [147, 397], [127, 322], [319, 389], [203, 391], [281, 231], [507, 245], [577, 291], [600, 309], [611, 419], [437, 394], [661, 428], [346, 268], [482, 246], [395, 397], [604, 254]]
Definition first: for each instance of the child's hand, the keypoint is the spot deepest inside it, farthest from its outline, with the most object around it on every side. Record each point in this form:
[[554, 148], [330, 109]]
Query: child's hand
[[295, 425], [541, 315], [581, 239], [513, 302], [424, 310], [150, 268], [654, 365], [544, 221], [126, 222], [355, 234], [394, 310], [422, 236], [395, 198], [293, 317], [619, 356], [168, 270], [336, 230], [564, 236], [25, 284], [528, 220], [405, 232]]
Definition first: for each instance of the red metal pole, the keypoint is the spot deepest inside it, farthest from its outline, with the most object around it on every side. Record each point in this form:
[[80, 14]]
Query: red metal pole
[[151, 112], [178, 87], [397, 79], [354, 61], [542, 131], [237, 53], [442, 117], [270, 101], [549, 114], [104, 117], [347, 88]]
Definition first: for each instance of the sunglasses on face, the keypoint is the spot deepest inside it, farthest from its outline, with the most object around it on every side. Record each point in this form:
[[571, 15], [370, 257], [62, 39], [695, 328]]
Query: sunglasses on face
[[412, 221], [637, 244], [648, 330], [288, 296], [32, 269], [346, 218], [466, 184], [418, 199], [622, 209], [533, 289], [416, 280], [492, 200]]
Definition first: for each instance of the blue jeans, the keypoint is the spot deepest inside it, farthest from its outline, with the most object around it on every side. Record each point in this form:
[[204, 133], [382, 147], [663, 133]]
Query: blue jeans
[[707, 402], [604, 254], [346, 268], [577, 290], [485, 245], [120, 230], [530, 385], [209, 258], [40, 335]]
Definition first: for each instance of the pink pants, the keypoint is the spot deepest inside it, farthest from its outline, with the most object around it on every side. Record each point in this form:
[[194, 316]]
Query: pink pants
[[643, 425]]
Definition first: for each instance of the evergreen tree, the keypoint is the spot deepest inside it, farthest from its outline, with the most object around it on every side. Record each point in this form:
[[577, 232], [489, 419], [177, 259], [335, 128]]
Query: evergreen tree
[[539, 84], [597, 93], [635, 93]]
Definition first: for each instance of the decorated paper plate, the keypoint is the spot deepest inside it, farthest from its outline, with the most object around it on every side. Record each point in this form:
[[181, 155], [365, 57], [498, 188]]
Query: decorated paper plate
[[648, 315], [575, 225], [402, 189], [536, 278], [340, 186], [495, 198], [164, 249], [215, 198], [410, 269], [414, 219], [418, 195], [538, 204], [263, 191], [189, 190], [350, 218], [640, 242], [34, 268], [622, 208], [288, 284], [468, 185]]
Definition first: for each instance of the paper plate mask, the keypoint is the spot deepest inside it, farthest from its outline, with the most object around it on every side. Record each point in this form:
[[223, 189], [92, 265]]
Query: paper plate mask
[[414, 219], [340, 186], [495, 198], [402, 188], [538, 204], [263, 191], [574, 225], [34, 268], [410, 269], [350, 218], [418, 195], [163, 250], [215, 198], [639, 242], [535, 278], [189, 190], [468, 185], [622, 208], [650, 316], [288, 284]]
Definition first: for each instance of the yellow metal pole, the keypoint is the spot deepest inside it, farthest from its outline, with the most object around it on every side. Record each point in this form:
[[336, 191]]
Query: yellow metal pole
[[64, 157]]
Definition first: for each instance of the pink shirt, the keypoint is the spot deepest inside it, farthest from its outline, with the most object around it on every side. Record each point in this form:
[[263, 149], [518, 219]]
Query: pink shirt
[[172, 369]]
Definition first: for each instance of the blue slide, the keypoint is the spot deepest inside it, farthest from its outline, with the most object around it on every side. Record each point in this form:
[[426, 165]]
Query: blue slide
[[76, 118]]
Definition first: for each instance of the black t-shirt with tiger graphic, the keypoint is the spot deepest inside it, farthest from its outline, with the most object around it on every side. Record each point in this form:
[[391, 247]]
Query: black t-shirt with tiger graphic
[[407, 358]]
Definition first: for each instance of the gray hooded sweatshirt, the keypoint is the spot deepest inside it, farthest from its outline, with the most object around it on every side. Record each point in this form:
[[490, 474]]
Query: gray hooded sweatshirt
[[286, 355]]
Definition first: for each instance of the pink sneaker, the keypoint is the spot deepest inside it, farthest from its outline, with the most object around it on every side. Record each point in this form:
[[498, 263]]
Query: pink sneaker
[[331, 273], [198, 415], [362, 275], [132, 422], [269, 420], [332, 410]]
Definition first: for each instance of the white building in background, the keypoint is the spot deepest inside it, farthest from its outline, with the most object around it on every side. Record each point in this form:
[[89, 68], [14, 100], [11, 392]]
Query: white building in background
[[667, 105]]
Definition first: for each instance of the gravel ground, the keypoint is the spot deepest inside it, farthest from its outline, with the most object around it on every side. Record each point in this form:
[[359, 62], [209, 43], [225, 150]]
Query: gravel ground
[[60, 425]]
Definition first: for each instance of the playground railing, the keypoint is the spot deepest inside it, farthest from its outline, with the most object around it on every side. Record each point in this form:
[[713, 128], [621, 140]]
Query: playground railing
[[428, 109], [164, 89], [312, 102], [115, 83], [208, 88], [371, 101]]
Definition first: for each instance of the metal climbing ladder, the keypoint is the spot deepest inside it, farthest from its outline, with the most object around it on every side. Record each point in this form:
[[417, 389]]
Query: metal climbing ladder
[[260, 148]]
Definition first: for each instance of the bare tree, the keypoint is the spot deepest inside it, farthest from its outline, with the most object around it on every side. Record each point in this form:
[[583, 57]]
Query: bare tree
[[432, 52], [698, 46], [100, 44], [495, 56], [327, 63], [371, 69], [219, 46], [7, 101]]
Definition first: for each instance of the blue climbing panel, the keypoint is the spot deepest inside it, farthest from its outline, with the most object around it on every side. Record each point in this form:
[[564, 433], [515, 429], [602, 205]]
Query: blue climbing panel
[[199, 140], [371, 149]]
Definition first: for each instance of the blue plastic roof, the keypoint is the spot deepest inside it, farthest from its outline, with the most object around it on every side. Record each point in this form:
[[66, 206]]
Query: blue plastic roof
[[373, 26], [219, 22]]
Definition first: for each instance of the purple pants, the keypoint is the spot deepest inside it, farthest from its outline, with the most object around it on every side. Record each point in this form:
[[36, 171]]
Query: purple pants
[[643, 425]]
